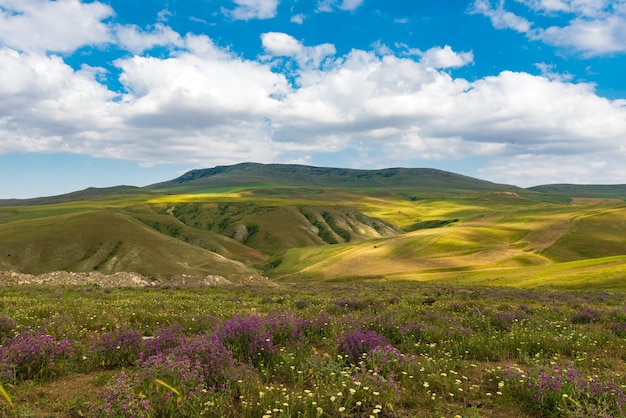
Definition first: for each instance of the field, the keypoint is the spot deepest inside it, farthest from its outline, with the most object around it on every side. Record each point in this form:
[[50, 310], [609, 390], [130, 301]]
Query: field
[[343, 293], [382, 349]]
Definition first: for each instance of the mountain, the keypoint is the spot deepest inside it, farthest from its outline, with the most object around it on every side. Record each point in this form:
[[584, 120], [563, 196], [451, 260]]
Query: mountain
[[250, 174], [294, 222]]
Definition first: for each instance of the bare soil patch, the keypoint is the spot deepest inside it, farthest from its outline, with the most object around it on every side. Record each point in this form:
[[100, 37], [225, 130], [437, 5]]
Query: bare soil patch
[[65, 397]]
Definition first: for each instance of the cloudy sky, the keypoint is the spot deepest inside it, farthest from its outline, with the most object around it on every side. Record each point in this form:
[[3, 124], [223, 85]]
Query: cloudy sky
[[101, 93]]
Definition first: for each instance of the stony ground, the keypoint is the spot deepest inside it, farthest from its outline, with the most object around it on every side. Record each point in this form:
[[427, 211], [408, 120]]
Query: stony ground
[[121, 279]]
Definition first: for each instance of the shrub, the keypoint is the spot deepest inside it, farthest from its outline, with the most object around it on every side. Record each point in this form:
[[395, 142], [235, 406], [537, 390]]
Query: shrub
[[585, 316], [247, 338], [565, 392], [117, 348], [171, 383], [6, 328], [216, 360], [355, 343], [165, 339], [34, 355], [121, 400], [503, 320], [284, 327]]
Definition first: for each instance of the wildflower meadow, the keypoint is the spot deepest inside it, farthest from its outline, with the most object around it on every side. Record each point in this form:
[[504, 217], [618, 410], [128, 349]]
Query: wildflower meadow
[[342, 349]]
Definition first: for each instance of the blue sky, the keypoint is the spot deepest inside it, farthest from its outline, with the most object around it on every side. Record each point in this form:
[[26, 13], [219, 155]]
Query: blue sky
[[102, 93]]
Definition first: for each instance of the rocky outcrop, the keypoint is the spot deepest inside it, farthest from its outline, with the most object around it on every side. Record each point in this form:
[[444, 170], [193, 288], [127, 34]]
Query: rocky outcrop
[[120, 279]]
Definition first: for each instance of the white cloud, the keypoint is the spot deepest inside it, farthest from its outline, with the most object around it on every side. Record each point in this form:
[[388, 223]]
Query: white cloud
[[500, 18], [533, 170], [350, 4], [299, 18], [203, 103], [445, 57], [253, 9], [598, 26], [588, 8], [164, 15], [330, 5], [58, 26], [45, 105], [280, 44], [549, 71], [593, 37], [401, 110], [203, 79], [136, 40]]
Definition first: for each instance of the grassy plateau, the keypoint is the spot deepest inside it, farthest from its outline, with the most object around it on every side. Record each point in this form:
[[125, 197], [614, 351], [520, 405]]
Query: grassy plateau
[[352, 293]]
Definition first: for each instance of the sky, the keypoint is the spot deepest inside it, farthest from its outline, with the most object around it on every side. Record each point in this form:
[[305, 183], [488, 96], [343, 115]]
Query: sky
[[112, 92]]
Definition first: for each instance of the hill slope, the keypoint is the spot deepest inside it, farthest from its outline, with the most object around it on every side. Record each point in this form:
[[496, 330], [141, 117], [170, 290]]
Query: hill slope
[[107, 242], [293, 222], [253, 174], [606, 191]]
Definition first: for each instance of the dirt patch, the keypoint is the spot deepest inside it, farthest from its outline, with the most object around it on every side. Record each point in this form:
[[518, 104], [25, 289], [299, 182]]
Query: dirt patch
[[65, 397]]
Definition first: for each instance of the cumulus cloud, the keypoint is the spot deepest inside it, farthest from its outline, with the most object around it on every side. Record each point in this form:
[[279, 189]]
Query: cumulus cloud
[[203, 102], [598, 26], [445, 57], [398, 104], [253, 9], [136, 40], [600, 36], [531, 170], [280, 44], [57, 26], [45, 104]]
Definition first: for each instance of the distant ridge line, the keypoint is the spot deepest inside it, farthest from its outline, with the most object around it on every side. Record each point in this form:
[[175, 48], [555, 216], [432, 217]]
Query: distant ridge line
[[249, 173]]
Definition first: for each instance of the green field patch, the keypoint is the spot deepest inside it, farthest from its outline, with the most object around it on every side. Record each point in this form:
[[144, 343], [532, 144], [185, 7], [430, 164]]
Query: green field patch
[[602, 273], [593, 235], [436, 223]]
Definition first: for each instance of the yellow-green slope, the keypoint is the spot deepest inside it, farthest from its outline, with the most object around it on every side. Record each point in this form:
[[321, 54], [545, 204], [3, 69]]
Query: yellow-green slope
[[105, 241]]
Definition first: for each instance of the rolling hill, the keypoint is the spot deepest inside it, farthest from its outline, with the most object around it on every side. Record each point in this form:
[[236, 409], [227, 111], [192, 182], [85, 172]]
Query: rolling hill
[[293, 222]]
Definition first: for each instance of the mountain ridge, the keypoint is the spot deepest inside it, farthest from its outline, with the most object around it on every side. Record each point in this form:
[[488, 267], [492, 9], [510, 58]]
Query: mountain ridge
[[247, 173]]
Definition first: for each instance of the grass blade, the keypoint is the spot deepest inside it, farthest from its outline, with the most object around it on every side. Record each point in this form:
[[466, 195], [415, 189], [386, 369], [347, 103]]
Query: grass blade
[[173, 389], [6, 396]]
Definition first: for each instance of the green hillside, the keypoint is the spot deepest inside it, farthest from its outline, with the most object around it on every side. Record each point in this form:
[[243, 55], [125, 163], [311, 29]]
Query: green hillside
[[104, 241], [616, 191], [290, 222], [254, 176], [87, 194]]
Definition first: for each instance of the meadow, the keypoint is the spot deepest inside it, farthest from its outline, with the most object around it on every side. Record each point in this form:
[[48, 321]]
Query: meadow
[[332, 349]]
